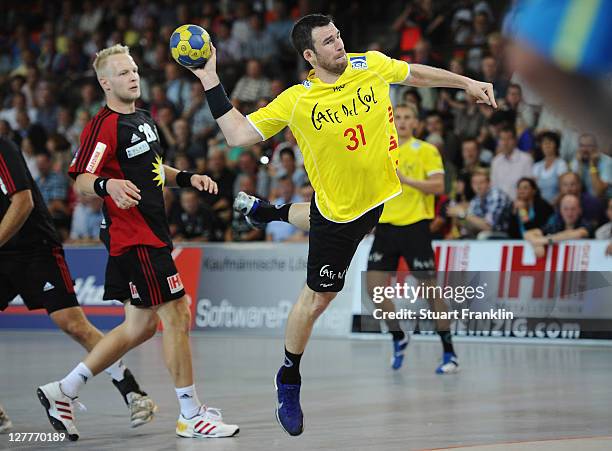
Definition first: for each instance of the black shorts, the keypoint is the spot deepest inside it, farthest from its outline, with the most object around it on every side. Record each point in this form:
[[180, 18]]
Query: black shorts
[[41, 278], [332, 246], [413, 242], [146, 275]]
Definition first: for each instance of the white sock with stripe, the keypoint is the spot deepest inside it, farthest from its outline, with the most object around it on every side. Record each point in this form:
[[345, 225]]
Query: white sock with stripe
[[72, 383], [188, 399], [116, 370]]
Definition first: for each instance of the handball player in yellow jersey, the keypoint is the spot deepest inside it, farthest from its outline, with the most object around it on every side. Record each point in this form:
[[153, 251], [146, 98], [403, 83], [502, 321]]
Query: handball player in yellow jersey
[[342, 119]]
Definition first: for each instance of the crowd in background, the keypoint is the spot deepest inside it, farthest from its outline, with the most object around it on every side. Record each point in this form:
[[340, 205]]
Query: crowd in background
[[517, 167]]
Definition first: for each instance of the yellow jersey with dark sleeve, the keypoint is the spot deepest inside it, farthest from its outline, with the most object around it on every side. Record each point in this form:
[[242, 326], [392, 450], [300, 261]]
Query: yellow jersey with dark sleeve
[[346, 133], [418, 160]]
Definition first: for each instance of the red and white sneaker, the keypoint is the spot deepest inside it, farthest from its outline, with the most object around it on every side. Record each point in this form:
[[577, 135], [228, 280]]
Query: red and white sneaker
[[59, 408], [208, 423]]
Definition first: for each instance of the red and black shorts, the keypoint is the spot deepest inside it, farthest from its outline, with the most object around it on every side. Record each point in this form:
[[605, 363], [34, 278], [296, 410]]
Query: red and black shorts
[[41, 278], [145, 275]]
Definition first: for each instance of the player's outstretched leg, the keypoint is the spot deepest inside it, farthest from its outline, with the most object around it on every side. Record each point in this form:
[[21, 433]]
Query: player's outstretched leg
[[259, 212], [74, 322], [5, 422], [195, 420], [59, 398], [288, 381]]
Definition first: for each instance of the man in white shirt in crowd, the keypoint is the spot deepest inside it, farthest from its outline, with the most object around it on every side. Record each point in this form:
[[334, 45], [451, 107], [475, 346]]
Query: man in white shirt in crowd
[[510, 164]]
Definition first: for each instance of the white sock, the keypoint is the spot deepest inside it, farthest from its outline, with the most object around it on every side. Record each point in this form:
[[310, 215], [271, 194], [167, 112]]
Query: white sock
[[188, 399], [72, 383], [116, 370]]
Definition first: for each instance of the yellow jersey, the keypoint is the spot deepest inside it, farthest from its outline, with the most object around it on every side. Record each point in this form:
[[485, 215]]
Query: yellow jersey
[[346, 133], [417, 160]]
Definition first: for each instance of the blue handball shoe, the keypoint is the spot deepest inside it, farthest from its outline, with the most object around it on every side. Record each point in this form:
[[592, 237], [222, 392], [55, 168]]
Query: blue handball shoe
[[449, 364], [399, 346], [288, 410]]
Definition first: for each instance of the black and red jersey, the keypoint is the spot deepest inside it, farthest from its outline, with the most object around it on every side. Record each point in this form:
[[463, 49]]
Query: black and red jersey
[[38, 231], [127, 147]]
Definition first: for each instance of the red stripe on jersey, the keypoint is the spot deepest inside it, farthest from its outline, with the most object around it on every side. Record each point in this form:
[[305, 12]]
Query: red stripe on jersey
[[64, 271], [143, 268], [88, 147], [146, 270], [6, 176], [156, 284]]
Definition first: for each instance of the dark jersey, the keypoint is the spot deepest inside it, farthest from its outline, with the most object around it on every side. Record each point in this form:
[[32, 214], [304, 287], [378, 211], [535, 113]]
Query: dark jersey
[[38, 231], [127, 147]]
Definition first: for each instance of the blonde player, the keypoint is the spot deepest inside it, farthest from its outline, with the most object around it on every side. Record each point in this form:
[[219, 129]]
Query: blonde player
[[342, 118]]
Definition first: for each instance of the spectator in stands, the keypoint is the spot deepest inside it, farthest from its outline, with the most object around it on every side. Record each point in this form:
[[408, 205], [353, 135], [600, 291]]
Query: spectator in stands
[[306, 192], [47, 107], [514, 101], [86, 219], [165, 121], [159, 100], [197, 112], [529, 210], [261, 45], [253, 85], [592, 208], [605, 231], [240, 229], [489, 211], [452, 146], [472, 161], [195, 221], [228, 47], [510, 164], [468, 117], [216, 169], [489, 70], [279, 231], [18, 103], [241, 28], [281, 25], [288, 142], [29, 155], [178, 90], [289, 169], [248, 165], [593, 167], [183, 142], [54, 189], [89, 100], [569, 225], [548, 170]]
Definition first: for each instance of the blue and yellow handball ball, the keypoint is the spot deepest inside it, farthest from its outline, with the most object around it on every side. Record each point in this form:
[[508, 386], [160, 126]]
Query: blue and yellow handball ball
[[190, 46]]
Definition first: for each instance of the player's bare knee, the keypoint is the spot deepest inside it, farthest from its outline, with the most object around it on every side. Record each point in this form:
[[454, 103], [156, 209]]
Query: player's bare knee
[[176, 316], [320, 302], [150, 328], [79, 330]]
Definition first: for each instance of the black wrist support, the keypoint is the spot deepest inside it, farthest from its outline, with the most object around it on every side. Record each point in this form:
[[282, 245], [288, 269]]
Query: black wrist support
[[218, 102], [183, 179], [100, 186]]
